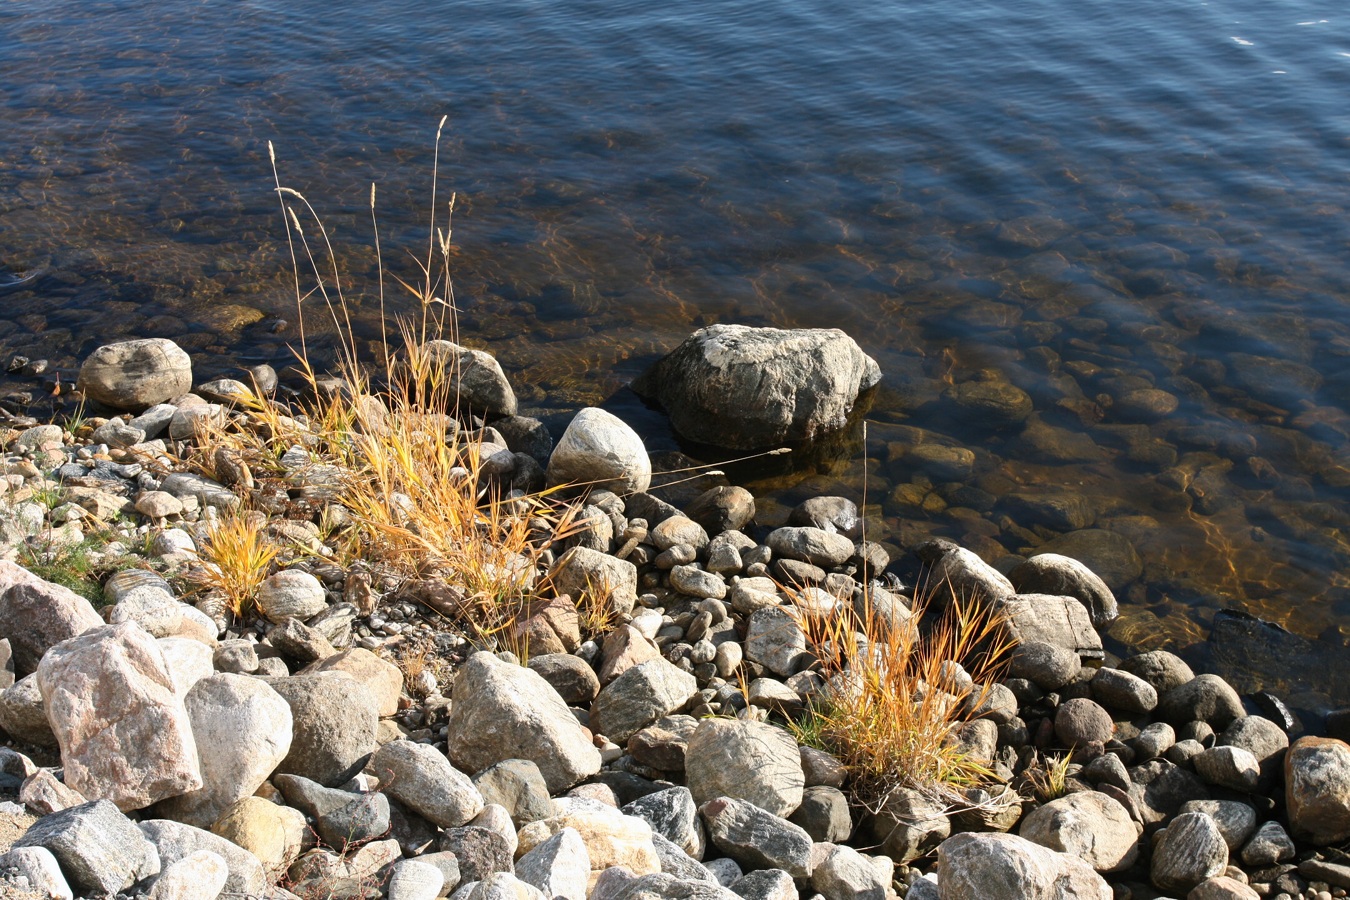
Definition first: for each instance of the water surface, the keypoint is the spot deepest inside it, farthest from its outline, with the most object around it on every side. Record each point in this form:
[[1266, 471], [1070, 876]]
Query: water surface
[[1082, 199]]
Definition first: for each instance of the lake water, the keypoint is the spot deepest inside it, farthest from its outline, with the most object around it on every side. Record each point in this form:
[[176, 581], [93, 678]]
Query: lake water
[[1087, 200]]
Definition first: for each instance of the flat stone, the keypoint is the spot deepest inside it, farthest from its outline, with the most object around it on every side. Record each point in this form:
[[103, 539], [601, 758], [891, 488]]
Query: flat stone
[[99, 849]]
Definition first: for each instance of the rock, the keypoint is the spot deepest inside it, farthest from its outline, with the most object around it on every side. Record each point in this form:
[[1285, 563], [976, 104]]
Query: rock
[[1230, 767], [1048, 666], [570, 676], [611, 838], [673, 814], [124, 733], [664, 744], [756, 838], [274, 833], [1270, 845], [693, 581], [1060, 510], [909, 825], [749, 388], [473, 379], [549, 627], [817, 546], [341, 818], [558, 867], [640, 696], [419, 777], [36, 615], [23, 716], [1222, 887], [500, 711], [990, 404], [824, 815], [984, 866], [723, 508], [584, 573], [821, 768], [291, 593], [41, 869], [1266, 741], [1123, 691], [517, 786], [295, 640], [381, 677], [1159, 788], [967, 574], [599, 450], [242, 729], [1161, 669], [99, 849], [1190, 850], [1206, 698], [200, 875], [1051, 573], [775, 639], [410, 879], [44, 795], [659, 886], [745, 760], [624, 648], [1236, 821], [134, 375], [1061, 621], [1088, 825], [765, 884], [333, 719], [322, 873], [174, 841], [1110, 555], [1317, 789], [1079, 722], [207, 492], [845, 874], [675, 861]]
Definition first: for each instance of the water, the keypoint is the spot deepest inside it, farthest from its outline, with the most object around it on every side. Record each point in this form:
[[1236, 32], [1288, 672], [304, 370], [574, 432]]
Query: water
[[1082, 199]]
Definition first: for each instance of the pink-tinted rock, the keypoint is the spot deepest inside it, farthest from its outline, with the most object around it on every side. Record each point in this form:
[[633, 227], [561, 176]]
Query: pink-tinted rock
[[123, 731], [36, 615]]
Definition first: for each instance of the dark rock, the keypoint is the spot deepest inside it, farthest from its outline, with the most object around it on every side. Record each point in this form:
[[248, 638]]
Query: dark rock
[[479, 851], [824, 815], [757, 839], [750, 388]]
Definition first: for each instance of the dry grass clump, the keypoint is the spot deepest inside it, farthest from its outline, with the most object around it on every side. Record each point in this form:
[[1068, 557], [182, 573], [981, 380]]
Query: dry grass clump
[[237, 557], [893, 702], [384, 448]]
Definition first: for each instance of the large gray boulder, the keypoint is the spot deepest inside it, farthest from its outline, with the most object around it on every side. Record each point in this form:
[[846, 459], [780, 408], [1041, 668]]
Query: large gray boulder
[[124, 733], [500, 711], [1190, 849], [333, 722], [751, 388], [135, 375], [598, 449], [1007, 867], [750, 761], [243, 729]]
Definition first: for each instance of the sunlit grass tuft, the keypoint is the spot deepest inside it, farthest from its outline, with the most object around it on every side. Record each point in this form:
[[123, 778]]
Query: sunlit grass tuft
[[237, 557], [893, 705]]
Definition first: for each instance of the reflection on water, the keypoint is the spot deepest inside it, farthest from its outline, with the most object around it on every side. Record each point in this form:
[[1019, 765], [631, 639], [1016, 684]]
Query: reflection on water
[[1133, 215]]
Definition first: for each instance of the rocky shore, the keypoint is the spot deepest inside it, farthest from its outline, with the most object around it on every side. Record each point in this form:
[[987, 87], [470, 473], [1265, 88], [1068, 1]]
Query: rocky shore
[[349, 738]]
